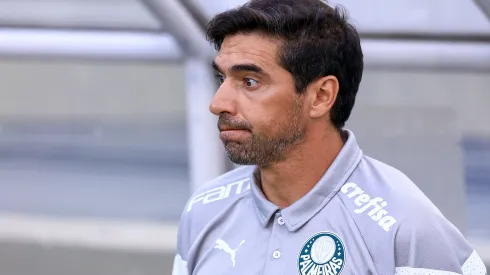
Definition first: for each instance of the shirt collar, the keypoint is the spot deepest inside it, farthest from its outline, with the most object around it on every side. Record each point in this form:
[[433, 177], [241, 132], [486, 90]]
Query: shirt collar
[[264, 208], [300, 212]]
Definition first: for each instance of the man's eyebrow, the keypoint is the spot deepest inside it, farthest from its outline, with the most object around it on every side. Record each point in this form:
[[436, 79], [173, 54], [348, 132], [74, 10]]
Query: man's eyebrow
[[246, 67], [216, 67]]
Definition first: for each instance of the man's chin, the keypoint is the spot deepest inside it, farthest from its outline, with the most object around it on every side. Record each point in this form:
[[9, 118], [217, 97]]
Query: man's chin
[[244, 162], [239, 157]]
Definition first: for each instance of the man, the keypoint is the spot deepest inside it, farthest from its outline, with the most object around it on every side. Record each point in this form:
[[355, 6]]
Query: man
[[306, 201]]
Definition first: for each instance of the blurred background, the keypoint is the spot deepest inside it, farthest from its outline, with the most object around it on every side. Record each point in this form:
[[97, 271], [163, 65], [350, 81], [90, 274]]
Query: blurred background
[[104, 104]]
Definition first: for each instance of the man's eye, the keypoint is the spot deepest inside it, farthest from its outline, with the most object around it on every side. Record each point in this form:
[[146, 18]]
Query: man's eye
[[250, 83], [220, 79]]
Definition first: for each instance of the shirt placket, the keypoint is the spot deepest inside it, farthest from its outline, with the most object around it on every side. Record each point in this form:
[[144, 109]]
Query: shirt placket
[[276, 253]]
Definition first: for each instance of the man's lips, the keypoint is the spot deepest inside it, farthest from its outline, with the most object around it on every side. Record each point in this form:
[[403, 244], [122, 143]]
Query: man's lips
[[230, 128], [230, 134]]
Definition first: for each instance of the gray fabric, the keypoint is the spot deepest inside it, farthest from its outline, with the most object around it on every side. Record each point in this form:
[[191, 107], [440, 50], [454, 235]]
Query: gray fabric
[[363, 217]]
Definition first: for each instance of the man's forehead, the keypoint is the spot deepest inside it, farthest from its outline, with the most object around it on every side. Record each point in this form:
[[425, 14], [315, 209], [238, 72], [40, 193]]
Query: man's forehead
[[247, 48]]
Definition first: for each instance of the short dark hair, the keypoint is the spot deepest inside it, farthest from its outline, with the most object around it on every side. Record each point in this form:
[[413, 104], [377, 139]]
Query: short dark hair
[[317, 40]]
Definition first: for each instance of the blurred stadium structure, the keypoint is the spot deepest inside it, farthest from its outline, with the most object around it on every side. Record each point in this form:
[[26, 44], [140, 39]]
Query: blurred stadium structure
[[103, 106]]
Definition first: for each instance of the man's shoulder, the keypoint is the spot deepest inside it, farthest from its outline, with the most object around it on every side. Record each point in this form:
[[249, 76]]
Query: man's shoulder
[[377, 193], [424, 240], [221, 191], [389, 208], [209, 202]]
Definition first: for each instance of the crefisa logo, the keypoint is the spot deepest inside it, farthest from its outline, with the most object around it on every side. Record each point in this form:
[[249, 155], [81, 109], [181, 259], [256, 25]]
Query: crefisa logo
[[323, 254]]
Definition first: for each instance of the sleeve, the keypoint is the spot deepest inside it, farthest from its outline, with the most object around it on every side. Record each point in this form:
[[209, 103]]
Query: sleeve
[[431, 245], [180, 266]]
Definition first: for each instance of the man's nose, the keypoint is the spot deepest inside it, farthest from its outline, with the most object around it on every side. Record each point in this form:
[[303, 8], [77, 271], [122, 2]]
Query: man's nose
[[224, 101]]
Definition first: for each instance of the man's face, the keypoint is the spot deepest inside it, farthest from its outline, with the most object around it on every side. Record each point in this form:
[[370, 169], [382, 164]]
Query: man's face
[[261, 116]]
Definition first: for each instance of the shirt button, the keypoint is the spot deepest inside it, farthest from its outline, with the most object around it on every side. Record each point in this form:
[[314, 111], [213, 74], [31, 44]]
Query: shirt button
[[276, 254], [280, 221]]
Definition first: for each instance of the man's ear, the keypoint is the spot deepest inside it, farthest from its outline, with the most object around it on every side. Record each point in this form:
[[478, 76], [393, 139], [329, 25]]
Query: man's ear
[[322, 95]]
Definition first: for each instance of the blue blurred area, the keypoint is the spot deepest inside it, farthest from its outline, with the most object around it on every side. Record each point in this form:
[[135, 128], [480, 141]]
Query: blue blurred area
[[477, 177]]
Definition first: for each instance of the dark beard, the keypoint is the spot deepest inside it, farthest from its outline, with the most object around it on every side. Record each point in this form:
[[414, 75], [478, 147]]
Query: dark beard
[[263, 150]]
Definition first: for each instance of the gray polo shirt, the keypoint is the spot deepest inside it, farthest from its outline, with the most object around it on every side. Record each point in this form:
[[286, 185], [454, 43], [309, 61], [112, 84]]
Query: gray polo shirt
[[362, 217]]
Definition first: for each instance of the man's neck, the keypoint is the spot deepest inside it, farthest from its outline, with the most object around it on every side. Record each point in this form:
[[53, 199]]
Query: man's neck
[[286, 182]]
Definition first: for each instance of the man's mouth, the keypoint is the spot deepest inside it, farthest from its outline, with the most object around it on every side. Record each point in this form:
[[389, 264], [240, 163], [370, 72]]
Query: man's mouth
[[224, 128]]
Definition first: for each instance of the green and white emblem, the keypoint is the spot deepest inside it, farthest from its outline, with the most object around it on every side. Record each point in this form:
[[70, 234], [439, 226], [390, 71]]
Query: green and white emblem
[[323, 253]]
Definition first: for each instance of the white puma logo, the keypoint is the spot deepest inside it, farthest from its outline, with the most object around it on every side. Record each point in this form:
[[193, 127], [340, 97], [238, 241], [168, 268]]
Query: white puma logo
[[222, 245]]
